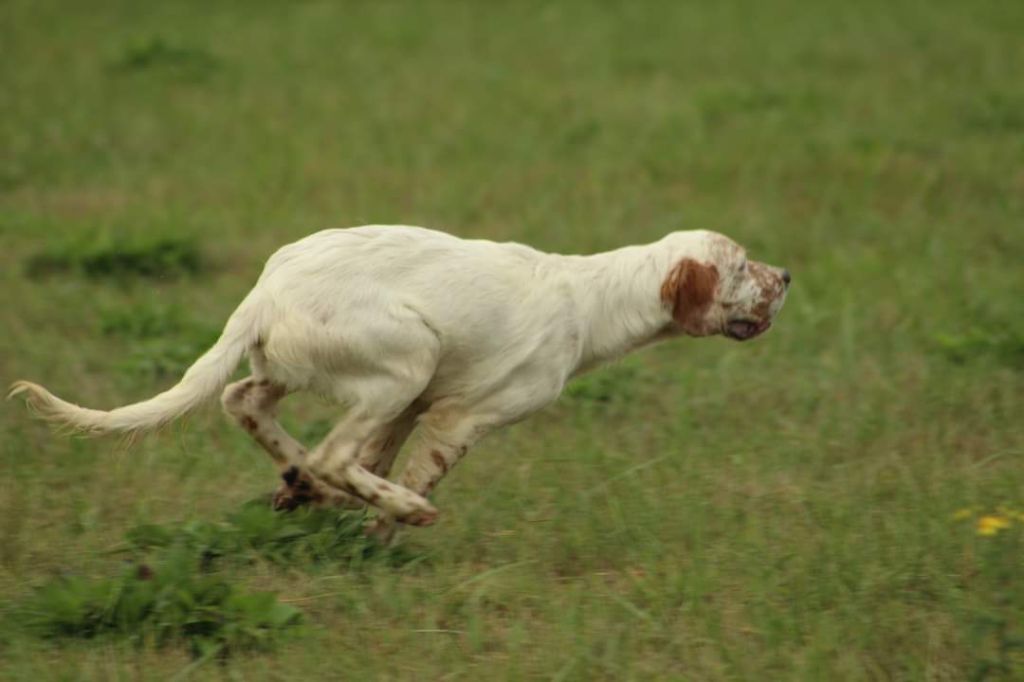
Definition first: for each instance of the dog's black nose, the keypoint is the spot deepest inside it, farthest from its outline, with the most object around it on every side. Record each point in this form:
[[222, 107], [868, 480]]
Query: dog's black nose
[[785, 277]]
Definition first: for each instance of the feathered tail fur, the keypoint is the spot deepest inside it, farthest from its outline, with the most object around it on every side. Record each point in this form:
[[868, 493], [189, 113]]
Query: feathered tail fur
[[203, 380]]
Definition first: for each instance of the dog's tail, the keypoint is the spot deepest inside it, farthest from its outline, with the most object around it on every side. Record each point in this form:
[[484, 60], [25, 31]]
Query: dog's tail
[[204, 379]]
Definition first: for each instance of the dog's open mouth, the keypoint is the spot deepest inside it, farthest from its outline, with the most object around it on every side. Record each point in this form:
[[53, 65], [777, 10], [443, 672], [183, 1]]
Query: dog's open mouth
[[742, 330]]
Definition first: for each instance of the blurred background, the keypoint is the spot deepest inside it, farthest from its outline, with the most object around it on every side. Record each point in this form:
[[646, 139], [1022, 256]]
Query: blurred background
[[841, 499]]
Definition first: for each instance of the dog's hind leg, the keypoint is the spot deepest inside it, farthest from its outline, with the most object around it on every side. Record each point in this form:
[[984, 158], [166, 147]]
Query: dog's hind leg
[[381, 372], [252, 402]]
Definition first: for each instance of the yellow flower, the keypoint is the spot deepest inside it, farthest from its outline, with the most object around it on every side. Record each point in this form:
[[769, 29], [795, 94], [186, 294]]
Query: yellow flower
[[961, 514], [992, 524]]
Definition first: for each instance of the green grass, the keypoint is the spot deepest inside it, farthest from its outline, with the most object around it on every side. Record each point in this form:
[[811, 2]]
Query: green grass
[[702, 511]]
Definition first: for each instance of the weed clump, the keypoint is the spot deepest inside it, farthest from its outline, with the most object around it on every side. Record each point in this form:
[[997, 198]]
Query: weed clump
[[162, 602], [169, 592], [256, 531], [157, 53], [117, 258], [1006, 346]]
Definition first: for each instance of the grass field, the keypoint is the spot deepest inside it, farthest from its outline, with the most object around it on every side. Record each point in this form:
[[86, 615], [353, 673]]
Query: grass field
[[705, 510]]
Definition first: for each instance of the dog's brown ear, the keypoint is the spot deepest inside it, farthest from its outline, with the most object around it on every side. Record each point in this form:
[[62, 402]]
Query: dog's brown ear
[[688, 292]]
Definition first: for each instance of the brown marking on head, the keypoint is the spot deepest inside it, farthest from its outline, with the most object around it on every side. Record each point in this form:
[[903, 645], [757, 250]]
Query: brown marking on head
[[248, 423], [689, 291], [373, 498], [439, 460]]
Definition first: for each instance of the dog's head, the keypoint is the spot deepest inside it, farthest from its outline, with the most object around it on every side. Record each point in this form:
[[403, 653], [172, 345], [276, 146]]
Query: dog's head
[[712, 288]]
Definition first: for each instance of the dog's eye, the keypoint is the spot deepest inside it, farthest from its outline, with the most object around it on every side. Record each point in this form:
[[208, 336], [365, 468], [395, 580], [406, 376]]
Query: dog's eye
[[743, 266]]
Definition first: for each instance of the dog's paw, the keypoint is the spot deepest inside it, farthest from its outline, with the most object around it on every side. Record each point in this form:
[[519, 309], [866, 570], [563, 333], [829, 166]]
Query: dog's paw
[[291, 475], [284, 500], [420, 517], [299, 489]]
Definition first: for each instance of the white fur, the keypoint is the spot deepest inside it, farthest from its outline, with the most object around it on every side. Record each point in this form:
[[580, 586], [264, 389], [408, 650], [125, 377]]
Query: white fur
[[405, 324]]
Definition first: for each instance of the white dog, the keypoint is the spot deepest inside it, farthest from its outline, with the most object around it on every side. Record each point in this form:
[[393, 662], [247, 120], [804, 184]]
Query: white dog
[[408, 326]]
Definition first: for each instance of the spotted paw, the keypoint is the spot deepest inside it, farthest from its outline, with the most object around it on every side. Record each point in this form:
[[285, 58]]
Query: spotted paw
[[299, 489], [420, 518]]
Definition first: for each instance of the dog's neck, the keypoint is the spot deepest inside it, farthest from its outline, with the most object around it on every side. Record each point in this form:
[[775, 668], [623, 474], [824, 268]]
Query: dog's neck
[[617, 295]]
